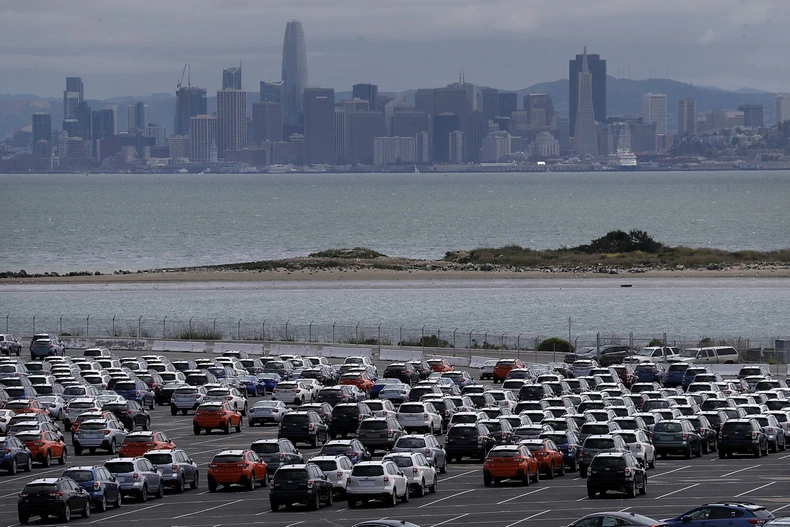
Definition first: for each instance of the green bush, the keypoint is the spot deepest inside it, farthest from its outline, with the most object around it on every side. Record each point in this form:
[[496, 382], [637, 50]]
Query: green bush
[[556, 344], [655, 342]]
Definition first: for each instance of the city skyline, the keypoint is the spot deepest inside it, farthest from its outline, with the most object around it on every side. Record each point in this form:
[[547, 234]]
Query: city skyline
[[485, 41]]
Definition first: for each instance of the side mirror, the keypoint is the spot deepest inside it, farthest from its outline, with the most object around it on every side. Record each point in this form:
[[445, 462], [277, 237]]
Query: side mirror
[[400, 473], [685, 519]]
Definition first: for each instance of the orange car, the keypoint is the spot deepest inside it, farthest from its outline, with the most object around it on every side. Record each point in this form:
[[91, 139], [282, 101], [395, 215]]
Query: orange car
[[220, 415], [439, 365], [138, 443], [510, 462], [503, 367], [237, 467], [26, 406], [44, 447], [550, 459], [360, 379]]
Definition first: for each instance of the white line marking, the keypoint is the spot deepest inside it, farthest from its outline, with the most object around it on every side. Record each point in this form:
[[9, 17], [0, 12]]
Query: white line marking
[[292, 524], [522, 495], [623, 510], [451, 519], [206, 510], [676, 491], [582, 499], [736, 471], [527, 518], [130, 512], [341, 510], [752, 490], [264, 512], [671, 471], [785, 457], [446, 498], [780, 508], [458, 475]]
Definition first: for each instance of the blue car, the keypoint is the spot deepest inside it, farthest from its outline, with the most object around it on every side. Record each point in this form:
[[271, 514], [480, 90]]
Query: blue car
[[14, 455], [380, 384], [674, 374], [254, 386], [269, 380], [650, 372], [137, 391], [691, 372], [100, 484], [569, 443], [733, 514]]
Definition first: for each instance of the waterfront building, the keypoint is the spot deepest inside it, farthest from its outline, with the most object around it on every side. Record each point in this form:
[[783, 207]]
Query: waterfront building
[[597, 70], [319, 125], [190, 102], [585, 134], [367, 92], [231, 78], [137, 118], [495, 147], [423, 144], [781, 108], [654, 110], [394, 150], [363, 127], [490, 102], [231, 120], [157, 132], [294, 72], [687, 117], [72, 96], [476, 130], [752, 115], [545, 146], [456, 146], [42, 127], [408, 121], [180, 146], [203, 139], [644, 139], [443, 124]]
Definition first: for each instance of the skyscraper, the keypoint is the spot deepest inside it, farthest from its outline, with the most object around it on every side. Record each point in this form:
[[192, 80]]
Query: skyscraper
[[203, 139], [781, 108], [267, 122], [231, 120], [231, 78], [271, 91], [540, 110], [752, 115], [137, 118], [42, 127], [687, 117], [654, 110], [190, 102], [294, 72], [319, 125], [490, 96], [597, 69], [586, 136], [368, 92], [408, 121], [364, 126], [476, 131], [72, 96], [507, 103], [443, 124]]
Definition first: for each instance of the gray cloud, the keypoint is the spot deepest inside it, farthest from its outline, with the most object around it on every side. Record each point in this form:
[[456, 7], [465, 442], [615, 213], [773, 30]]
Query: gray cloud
[[139, 47]]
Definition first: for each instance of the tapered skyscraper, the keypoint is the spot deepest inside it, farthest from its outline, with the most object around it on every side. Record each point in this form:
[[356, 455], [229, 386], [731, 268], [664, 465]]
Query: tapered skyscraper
[[294, 72], [586, 135]]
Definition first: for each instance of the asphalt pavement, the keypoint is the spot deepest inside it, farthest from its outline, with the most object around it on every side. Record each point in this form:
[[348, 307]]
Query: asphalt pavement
[[674, 486]]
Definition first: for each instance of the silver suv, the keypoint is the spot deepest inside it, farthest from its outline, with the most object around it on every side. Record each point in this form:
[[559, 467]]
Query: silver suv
[[176, 467], [136, 476], [377, 480], [426, 444], [419, 472]]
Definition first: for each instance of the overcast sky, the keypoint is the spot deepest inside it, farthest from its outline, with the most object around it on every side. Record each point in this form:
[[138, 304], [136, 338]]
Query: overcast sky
[[138, 47]]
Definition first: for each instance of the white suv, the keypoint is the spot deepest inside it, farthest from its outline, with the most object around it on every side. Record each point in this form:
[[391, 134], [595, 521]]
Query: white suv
[[640, 446], [377, 480], [292, 392], [337, 470], [220, 394], [418, 470], [420, 416]]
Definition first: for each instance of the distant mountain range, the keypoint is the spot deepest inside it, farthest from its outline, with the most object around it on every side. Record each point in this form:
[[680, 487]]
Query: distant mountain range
[[624, 96]]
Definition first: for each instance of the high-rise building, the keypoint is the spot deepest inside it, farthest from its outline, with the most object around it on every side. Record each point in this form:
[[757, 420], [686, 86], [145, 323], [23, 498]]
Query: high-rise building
[[443, 124], [271, 91], [752, 115], [495, 147], [687, 117], [507, 103], [476, 130], [452, 100], [157, 132], [367, 92], [341, 131], [407, 121], [363, 127], [42, 127], [597, 69], [267, 122], [179, 146], [540, 110], [618, 137], [654, 110], [103, 126], [294, 72], [137, 118], [74, 84], [490, 96], [585, 133], [423, 144], [394, 150], [423, 100], [644, 139], [231, 78], [84, 121], [319, 125], [456, 146], [203, 139], [231, 120], [544, 146], [190, 102], [781, 108], [72, 96]]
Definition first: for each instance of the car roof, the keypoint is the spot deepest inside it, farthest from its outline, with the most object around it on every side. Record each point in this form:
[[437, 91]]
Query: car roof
[[234, 452], [84, 467], [143, 434], [161, 451], [339, 442], [611, 454]]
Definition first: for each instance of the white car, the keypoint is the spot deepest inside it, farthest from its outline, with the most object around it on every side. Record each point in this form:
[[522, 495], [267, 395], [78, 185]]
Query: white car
[[312, 385], [420, 473], [221, 394], [315, 361], [505, 399], [55, 405], [292, 392], [76, 406], [186, 398], [377, 480], [514, 385], [420, 416], [337, 470], [640, 446], [381, 407], [487, 369], [5, 416], [267, 412], [364, 362]]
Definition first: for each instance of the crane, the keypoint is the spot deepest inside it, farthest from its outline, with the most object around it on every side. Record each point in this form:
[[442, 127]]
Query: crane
[[188, 70]]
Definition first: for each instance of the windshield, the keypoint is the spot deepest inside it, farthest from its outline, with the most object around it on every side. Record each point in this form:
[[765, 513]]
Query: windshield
[[646, 352], [668, 427], [411, 408], [608, 462], [595, 429], [328, 465], [689, 353], [228, 458], [368, 470], [599, 443]]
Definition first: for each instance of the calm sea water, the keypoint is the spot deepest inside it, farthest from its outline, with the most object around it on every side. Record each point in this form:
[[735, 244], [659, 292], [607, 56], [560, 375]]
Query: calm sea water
[[109, 222]]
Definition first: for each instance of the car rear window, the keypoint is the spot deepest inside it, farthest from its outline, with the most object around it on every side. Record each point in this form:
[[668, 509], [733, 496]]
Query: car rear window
[[298, 418], [608, 462], [730, 427], [137, 439], [401, 461], [79, 476], [628, 438], [493, 426], [373, 425], [599, 442], [410, 442], [463, 431], [74, 390], [336, 449], [291, 474], [92, 426], [411, 408], [119, 467], [40, 488], [125, 385], [265, 448], [368, 470], [668, 427], [595, 429], [503, 453], [228, 458]]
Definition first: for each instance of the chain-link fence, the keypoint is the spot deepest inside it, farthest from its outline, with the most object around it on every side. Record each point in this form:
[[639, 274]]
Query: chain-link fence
[[356, 333]]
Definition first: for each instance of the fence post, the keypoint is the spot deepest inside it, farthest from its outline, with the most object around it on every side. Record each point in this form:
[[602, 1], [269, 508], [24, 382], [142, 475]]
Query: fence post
[[263, 332], [238, 330], [400, 335], [631, 340], [310, 332], [333, 332], [189, 325], [286, 329], [502, 340], [438, 338], [422, 337], [61, 324], [485, 340], [470, 342], [140, 326], [6, 322], [518, 346], [665, 338], [87, 327], [379, 337], [356, 334], [164, 328], [456, 329], [113, 325]]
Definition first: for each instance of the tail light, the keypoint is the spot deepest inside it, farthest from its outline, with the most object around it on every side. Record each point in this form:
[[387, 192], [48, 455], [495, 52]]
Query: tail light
[[684, 436], [389, 433], [589, 471], [339, 474], [311, 426], [150, 444], [282, 456], [447, 413], [96, 485], [627, 471], [425, 416], [271, 483], [275, 411], [479, 440], [360, 417], [136, 475], [754, 434], [639, 446], [415, 471], [755, 521], [56, 494], [137, 393], [174, 467], [720, 434], [212, 465], [38, 443], [771, 429], [241, 465], [105, 432], [310, 483], [386, 479], [581, 451], [357, 433]]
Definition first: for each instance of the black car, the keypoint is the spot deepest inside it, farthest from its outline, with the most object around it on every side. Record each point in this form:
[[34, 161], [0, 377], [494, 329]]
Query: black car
[[619, 471], [99, 483], [428, 390], [468, 440], [500, 429], [379, 433], [323, 374], [708, 433], [534, 392], [164, 395], [324, 410], [676, 437], [445, 407], [305, 427], [742, 436], [404, 372], [339, 394], [47, 497], [422, 367], [346, 418], [300, 484], [277, 453], [131, 415]]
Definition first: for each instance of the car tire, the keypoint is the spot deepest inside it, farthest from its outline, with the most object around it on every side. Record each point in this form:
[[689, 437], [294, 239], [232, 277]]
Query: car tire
[[144, 494], [195, 481], [251, 482], [688, 454], [147, 425], [101, 506], [313, 441], [699, 450], [47, 460], [590, 493], [526, 478], [111, 449], [118, 501], [330, 500], [582, 471], [77, 451], [226, 428], [420, 489], [643, 490], [562, 469], [757, 452], [274, 505], [29, 466], [265, 481], [392, 500], [212, 486], [487, 480], [238, 426], [182, 485], [196, 430], [173, 410], [537, 475], [65, 516], [443, 468], [652, 462], [64, 456], [86, 511], [352, 503], [405, 497], [722, 454], [315, 503], [630, 492], [574, 466], [24, 518], [550, 472]]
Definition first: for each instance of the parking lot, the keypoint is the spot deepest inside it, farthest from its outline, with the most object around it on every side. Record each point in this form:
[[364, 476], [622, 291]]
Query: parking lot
[[675, 486]]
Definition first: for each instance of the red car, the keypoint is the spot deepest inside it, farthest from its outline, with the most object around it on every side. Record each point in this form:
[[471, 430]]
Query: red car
[[439, 365], [550, 459], [503, 367]]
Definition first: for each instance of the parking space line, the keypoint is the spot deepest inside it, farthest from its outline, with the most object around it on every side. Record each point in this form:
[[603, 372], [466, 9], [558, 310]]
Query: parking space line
[[446, 498], [623, 510], [676, 491], [527, 518], [736, 471], [264, 512], [670, 471], [292, 524], [752, 490], [129, 512], [785, 457], [457, 476], [522, 495], [206, 510], [448, 521], [780, 508]]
